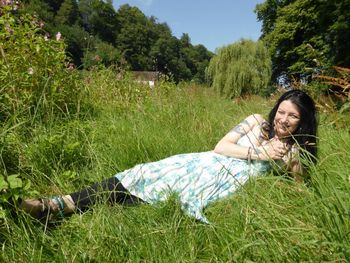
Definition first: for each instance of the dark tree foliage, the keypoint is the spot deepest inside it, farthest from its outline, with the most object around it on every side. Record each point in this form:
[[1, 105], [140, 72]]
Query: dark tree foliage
[[135, 37], [99, 19], [305, 34], [67, 14], [96, 33]]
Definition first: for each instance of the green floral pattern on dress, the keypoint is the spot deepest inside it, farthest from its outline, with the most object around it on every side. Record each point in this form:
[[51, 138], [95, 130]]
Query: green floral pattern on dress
[[197, 178]]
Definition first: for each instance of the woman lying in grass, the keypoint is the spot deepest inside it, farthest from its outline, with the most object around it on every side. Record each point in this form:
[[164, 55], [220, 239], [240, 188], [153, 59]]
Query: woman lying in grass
[[249, 149]]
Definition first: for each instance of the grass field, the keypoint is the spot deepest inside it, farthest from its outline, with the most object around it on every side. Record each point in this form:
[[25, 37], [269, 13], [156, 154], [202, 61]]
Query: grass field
[[270, 219]]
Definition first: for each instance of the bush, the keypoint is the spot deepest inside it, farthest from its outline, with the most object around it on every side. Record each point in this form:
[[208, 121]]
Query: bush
[[37, 86], [102, 54], [35, 80]]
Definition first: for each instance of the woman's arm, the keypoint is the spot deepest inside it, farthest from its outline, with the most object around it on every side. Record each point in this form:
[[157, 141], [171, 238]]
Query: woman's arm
[[228, 144]]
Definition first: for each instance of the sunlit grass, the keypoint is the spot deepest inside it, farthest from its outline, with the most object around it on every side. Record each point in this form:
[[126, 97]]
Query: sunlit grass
[[270, 219]]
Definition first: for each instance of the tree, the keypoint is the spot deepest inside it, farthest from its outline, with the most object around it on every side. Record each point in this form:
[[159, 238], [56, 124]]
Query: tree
[[199, 57], [136, 37], [102, 53], [338, 31], [54, 4], [166, 54], [99, 18], [39, 8], [240, 68], [68, 13], [304, 34], [185, 40], [128, 36]]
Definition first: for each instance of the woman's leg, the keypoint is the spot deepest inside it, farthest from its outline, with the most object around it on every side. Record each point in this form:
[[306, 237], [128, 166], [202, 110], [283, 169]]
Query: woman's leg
[[110, 190]]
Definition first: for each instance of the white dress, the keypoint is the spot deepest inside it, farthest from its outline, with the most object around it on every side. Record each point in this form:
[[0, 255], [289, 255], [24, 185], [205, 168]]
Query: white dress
[[197, 178]]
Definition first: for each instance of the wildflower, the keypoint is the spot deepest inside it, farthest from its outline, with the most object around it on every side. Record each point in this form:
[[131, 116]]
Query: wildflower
[[30, 71], [71, 66], [6, 2], [58, 36], [47, 37], [16, 6]]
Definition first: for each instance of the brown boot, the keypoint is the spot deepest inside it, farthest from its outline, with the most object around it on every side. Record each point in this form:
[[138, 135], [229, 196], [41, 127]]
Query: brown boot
[[44, 209]]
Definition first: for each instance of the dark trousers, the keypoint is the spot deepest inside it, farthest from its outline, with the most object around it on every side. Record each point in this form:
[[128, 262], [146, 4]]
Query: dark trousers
[[110, 190]]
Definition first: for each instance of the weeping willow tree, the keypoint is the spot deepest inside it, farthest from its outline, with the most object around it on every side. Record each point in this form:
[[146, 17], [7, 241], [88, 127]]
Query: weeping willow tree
[[240, 68]]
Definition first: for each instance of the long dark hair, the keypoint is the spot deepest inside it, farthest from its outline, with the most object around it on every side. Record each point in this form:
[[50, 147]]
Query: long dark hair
[[306, 133]]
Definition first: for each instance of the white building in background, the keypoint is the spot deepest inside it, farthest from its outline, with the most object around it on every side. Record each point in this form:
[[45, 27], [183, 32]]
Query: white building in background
[[149, 78]]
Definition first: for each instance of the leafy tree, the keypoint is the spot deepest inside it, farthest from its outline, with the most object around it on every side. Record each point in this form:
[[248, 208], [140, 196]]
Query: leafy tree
[[99, 18], [304, 34], [338, 31], [68, 13], [39, 8], [185, 40], [240, 68], [54, 5], [161, 29], [199, 58], [93, 30], [136, 37], [102, 54], [166, 54]]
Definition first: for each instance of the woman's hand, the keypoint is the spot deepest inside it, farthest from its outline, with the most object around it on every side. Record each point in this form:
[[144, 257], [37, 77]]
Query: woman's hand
[[273, 150]]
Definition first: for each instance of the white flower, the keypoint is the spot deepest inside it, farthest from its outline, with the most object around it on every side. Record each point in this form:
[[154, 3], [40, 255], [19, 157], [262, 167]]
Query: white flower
[[30, 71], [58, 36]]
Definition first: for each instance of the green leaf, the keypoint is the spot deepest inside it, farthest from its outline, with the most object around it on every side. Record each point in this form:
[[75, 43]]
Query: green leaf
[[3, 183], [14, 182], [27, 186]]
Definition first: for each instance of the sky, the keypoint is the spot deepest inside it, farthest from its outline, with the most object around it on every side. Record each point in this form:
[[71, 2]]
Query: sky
[[212, 23]]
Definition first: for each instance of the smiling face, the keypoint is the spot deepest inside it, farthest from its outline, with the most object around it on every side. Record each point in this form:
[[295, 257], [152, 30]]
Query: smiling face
[[287, 119]]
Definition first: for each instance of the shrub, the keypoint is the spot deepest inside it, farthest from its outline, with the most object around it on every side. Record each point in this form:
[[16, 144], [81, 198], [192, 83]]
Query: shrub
[[35, 80], [102, 54], [36, 86]]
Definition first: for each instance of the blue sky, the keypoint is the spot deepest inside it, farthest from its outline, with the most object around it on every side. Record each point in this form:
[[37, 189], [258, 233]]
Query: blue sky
[[213, 23]]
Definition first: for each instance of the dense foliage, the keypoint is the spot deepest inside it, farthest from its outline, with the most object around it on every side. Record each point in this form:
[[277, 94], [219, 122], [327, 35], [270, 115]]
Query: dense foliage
[[37, 87], [305, 36], [97, 34], [240, 68], [35, 77]]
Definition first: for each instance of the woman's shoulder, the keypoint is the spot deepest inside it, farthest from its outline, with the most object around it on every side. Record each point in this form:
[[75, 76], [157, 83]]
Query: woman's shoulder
[[255, 119]]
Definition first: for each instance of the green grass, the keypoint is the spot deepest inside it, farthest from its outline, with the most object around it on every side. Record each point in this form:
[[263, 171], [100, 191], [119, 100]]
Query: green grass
[[270, 219]]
